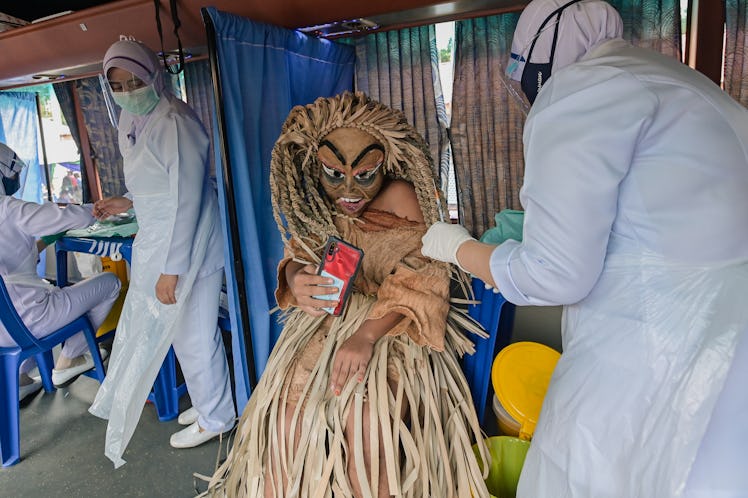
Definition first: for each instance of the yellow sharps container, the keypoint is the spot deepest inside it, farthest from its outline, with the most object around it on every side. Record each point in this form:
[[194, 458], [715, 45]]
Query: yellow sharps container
[[520, 376]]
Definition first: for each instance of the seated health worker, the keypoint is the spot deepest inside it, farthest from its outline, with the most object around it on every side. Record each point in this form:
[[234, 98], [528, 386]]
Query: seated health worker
[[177, 258], [43, 307], [636, 221]]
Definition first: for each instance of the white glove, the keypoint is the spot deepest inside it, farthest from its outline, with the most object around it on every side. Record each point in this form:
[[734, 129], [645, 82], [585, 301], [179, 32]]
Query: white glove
[[442, 240]]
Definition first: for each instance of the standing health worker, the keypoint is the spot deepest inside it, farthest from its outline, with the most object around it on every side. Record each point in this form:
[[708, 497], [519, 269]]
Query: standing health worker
[[636, 220], [177, 263]]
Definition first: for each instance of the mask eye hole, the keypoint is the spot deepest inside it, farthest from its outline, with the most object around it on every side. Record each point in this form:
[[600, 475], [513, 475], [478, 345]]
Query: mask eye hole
[[333, 174], [368, 174]]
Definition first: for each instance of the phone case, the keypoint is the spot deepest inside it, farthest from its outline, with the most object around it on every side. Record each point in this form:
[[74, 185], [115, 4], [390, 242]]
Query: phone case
[[341, 262]]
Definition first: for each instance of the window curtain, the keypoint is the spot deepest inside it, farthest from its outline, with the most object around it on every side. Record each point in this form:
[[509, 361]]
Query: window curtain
[[263, 71], [64, 92], [102, 135], [19, 130], [486, 125], [652, 24], [198, 87], [486, 128], [736, 50], [401, 69]]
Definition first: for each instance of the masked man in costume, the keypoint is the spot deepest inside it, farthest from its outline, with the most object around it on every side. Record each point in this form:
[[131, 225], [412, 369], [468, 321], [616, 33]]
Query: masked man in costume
[[373, 402]]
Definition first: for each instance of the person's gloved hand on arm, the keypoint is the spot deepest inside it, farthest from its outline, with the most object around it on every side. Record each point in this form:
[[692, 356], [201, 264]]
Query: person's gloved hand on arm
[[452, 243]]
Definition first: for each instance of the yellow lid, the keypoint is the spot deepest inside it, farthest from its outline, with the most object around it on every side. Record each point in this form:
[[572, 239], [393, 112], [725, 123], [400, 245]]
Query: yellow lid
[[520, 375]]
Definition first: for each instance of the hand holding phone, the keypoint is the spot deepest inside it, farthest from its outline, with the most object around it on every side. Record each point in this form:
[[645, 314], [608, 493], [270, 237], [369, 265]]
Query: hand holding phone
[[340, 262]]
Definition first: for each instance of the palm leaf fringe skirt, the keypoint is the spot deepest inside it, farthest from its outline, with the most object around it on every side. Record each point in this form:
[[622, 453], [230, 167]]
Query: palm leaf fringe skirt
[[421, 416]]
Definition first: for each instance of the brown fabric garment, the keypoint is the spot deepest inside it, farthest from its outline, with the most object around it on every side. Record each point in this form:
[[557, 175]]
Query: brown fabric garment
[[394, 271]]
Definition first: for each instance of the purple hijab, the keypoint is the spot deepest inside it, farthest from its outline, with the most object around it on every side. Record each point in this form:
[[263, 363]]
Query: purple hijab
[[137, 58]]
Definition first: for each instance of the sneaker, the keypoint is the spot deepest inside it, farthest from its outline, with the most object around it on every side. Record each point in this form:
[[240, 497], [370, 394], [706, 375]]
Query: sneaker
[[188, 417], [191, 437], [29, 389], [65, 376]]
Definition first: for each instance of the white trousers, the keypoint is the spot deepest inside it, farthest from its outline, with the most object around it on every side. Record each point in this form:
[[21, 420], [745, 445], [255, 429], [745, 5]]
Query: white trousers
[[93, 296], [720, 467], [199, 348]]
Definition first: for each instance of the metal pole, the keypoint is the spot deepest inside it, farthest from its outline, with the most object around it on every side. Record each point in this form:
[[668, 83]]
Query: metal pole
[[44, 147], [233, 228]]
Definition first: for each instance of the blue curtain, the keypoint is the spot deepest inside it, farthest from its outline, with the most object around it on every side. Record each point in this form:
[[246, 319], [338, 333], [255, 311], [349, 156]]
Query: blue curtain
[[19, 130], [263, 71]]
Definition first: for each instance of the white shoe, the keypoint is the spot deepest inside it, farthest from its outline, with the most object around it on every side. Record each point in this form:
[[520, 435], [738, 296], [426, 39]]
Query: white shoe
[[188, 417], [28, 390], [65, 376], [191, 437]]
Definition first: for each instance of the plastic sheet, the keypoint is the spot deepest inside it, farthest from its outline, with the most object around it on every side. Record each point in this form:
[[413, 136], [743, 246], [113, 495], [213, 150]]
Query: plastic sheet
[[645, 358], [146, 327]]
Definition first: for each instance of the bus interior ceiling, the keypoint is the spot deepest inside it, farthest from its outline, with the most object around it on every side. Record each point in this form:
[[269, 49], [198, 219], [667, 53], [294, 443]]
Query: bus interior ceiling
[[67, 39]]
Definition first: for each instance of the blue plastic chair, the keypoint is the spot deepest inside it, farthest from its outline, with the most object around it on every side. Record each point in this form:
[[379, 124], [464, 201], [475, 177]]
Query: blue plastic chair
[[10, 361], [166, 392], [496, 315]]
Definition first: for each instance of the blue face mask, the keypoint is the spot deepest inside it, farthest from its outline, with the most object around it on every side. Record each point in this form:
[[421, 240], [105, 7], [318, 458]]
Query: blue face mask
[[139, 102], [11, 185]]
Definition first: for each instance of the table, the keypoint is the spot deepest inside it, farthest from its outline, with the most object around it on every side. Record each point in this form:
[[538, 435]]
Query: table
[[166, 392]]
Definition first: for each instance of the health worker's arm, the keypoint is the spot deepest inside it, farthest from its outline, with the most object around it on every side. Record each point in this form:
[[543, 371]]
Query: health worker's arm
[[184, 150], [579, 140], [48, 218]]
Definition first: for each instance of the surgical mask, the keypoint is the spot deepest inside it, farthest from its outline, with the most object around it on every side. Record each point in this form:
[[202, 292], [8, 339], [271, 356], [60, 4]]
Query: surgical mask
[[534, 74], [11, 185], [138, 102]]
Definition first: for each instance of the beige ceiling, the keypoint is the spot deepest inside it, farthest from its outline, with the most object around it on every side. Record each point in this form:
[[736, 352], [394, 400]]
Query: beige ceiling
[[73, 45]]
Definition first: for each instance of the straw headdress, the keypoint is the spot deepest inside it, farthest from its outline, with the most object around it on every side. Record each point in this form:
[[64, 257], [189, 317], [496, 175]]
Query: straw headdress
[[297, 195]]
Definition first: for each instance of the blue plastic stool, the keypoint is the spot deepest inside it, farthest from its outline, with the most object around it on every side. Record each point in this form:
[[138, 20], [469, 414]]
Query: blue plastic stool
[[166, 393], [496, 315]]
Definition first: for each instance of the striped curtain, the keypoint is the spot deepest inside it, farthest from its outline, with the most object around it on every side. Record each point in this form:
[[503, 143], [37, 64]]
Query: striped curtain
[[736, 50], [102, 135], [400, 69], [487, 125], [198, 87]]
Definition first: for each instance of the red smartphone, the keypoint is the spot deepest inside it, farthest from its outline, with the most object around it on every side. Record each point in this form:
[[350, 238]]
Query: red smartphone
[[341, 262]]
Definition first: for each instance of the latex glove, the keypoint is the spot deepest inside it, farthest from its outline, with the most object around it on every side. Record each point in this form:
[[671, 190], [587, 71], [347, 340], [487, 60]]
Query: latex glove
[[442, 240]]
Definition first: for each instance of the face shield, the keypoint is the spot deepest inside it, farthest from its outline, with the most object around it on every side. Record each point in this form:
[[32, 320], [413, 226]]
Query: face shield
[[111, 108]]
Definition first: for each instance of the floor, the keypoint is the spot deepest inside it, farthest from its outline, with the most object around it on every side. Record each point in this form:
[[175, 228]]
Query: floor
[[62, 453]]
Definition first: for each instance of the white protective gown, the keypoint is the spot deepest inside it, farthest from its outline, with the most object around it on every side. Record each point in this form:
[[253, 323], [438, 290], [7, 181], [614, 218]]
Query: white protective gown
[[166, 174], [638, 223], [43, 307]]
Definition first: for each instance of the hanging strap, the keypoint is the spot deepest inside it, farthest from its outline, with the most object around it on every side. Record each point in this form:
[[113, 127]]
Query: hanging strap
[[175, 20]]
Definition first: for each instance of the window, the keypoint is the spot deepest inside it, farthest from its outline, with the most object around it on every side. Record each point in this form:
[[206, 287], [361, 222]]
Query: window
[[445, 46]]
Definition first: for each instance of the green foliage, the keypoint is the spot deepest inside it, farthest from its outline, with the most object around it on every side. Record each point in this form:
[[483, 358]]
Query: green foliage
[[445, 54]]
